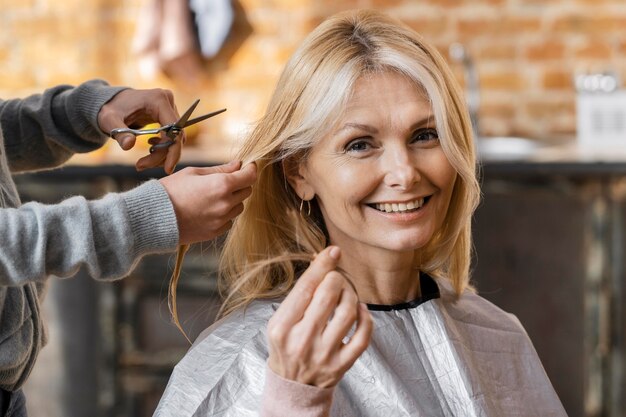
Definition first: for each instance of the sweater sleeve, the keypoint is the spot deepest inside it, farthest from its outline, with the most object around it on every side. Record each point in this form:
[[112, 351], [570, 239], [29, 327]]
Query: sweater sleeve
[[45, 130], [106, 236], [282, 397]]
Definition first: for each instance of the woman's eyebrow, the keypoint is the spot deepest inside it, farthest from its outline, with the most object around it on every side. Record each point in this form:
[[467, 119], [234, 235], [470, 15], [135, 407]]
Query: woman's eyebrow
[[426, 120], [359, 126], [372, 130]]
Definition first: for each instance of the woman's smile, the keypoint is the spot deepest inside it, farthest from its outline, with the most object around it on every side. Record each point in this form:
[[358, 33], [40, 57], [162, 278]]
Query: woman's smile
[[401, 211], [399, 207]]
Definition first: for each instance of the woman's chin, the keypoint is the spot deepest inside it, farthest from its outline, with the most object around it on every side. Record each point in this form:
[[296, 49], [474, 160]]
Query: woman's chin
[[407, 244]]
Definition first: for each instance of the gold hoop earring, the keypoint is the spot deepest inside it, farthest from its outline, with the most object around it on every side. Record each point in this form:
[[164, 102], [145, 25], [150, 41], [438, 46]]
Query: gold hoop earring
[[308, 203]]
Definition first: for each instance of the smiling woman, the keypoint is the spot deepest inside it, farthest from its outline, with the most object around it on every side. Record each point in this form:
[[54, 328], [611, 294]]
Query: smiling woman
[[347, 275]]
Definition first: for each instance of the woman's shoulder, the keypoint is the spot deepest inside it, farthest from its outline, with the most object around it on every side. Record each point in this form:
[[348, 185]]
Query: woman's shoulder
[[229, 352], [239, 326], [472, 309]]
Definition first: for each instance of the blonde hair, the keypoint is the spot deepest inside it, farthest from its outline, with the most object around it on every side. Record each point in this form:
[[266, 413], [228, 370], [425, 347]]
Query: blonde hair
[[271, 242]]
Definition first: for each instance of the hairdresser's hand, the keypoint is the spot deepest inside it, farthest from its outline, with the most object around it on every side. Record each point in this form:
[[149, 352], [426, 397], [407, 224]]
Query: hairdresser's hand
[[207, 199], [306, 333], [137, 108]]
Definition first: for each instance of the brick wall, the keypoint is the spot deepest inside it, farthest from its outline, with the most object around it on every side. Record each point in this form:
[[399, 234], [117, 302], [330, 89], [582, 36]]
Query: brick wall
[[526, 51]]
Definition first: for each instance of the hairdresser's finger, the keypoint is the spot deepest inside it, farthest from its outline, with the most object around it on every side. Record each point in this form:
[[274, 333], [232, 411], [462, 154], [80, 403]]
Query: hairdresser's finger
[[238, 178], [246, 176], [173, 155], [126, 140], [164, 108], [241, 195], [155, 159], [108, 118], [234, 212], [226, 227], [226, 168], [360, 340], [295, 304]]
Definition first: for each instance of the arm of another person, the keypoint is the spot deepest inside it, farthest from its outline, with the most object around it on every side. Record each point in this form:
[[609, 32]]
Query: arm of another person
[[307, 353], [106, 236], [45, 130]]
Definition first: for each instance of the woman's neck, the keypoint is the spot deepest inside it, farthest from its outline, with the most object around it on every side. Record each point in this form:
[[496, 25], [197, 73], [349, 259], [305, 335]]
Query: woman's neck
[[382, 277]]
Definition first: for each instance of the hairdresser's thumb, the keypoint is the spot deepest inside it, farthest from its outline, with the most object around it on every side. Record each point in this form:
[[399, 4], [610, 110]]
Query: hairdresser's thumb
[[126, 140]]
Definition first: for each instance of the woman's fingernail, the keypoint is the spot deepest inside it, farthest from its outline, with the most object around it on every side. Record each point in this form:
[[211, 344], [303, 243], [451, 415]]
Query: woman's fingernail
[[335, 252]]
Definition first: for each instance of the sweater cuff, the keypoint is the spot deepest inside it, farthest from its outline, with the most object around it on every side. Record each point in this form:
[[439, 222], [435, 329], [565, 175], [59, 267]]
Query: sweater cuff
[[152, 218], [88, 99], [283, 397]]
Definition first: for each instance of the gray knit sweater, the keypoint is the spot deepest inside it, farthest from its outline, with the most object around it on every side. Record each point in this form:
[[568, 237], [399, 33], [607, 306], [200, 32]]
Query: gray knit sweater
[[105, 237]]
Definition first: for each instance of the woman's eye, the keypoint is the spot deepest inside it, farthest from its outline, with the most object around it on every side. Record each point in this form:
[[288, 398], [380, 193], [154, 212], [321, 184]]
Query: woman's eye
[[358, 145], [425, 135]]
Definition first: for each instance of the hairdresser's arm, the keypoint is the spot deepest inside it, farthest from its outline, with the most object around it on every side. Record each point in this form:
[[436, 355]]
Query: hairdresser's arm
[[45, 130], [108, 236], [307, 353]]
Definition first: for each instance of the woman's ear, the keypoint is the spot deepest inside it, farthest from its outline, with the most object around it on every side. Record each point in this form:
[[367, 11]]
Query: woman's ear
[[297, 175]]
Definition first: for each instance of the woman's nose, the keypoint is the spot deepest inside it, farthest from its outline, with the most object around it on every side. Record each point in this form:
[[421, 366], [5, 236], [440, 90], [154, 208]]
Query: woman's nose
[[401, 170]]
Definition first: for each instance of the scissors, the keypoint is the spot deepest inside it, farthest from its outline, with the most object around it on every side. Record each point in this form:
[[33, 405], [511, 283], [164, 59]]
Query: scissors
[[171, 130]]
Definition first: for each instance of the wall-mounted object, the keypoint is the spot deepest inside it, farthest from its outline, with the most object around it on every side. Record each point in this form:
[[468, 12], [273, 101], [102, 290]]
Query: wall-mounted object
[[600, 111]]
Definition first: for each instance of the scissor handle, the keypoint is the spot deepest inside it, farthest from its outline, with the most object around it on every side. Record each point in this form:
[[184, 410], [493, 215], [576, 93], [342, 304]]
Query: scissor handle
[[138, 132], [161, 145]]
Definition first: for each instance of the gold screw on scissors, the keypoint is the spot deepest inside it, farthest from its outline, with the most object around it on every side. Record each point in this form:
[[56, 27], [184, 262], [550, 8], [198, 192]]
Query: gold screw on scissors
[[171, 131]]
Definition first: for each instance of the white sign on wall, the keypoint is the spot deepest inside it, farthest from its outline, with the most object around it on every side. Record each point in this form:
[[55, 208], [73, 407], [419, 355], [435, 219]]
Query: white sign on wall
[[601, 119]]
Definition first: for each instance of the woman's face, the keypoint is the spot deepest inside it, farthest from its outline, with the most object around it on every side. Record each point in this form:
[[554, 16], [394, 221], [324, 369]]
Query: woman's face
[[380, 178]]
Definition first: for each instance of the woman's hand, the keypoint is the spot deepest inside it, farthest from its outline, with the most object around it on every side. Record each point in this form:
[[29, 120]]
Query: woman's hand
[[306, 334]]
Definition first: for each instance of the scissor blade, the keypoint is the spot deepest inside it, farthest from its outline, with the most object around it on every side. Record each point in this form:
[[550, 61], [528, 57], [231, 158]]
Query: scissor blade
[[181, 123], [173, 131], [204, 117]]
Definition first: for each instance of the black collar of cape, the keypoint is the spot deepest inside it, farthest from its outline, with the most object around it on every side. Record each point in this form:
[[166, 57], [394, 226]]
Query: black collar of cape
[[429, 291]]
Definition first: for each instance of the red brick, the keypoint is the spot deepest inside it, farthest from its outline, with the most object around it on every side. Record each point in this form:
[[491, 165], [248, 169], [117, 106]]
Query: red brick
[[546, 109], [510, 27], [589, 23], [381, 4], [594, 50], [330, 7], [557, 80], [544, 51], [496, 51], [473, 27], [508, 81], [500, 110], [430, 27]]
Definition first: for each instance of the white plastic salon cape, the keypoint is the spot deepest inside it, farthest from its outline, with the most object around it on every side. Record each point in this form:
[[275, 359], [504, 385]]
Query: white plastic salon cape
[[436, 356]]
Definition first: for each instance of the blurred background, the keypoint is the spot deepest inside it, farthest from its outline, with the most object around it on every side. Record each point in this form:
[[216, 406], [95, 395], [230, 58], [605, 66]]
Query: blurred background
[[543, 82]]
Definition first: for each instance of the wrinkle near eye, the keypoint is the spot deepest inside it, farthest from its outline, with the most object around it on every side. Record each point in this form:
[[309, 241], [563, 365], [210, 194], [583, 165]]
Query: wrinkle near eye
[[337, 158]]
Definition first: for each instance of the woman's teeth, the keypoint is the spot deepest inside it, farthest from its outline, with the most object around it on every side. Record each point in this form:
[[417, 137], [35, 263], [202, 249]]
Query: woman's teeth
[[399, 207]]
